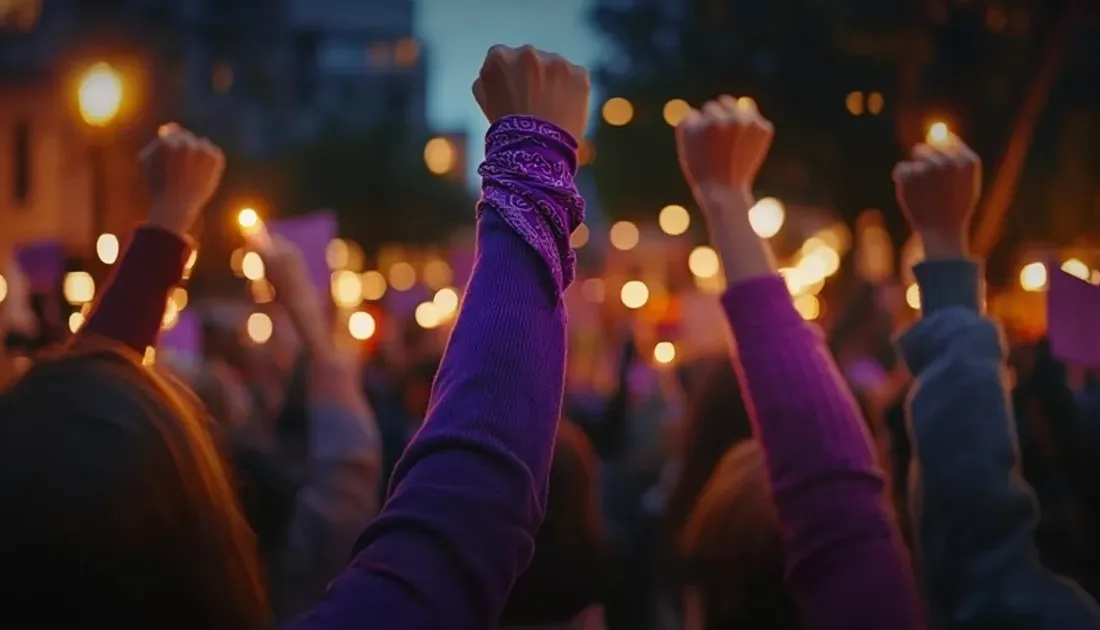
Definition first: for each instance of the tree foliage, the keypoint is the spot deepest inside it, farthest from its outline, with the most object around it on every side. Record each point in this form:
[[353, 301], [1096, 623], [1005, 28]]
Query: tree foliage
[[376, 181], [967, 62]]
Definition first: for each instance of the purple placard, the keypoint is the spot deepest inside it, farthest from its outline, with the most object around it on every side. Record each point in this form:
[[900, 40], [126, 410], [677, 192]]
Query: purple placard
[[43, 264], [310, 233], [1073, 319], [185, 338]]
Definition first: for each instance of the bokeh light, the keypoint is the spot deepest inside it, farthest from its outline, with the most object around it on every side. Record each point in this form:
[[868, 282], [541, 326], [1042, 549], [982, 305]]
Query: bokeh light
[[618, 111], [634, 294], [808, 306], [106, 248], [1033, 277], [374, 285], [402, 276], [1077, 268], [362, 325], [78, 287], [346, 288], [427, 315], [703, 262], [675, 111], [252, 266], [664, 352], [674, 220], [259, 328], [767, 217], [624, 236]]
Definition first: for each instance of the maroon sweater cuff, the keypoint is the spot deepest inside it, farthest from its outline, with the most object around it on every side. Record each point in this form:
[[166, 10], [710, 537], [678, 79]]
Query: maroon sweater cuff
[[131, 306]]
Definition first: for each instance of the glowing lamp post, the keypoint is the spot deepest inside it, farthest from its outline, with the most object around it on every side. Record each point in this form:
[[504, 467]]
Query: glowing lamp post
[[99, 97]]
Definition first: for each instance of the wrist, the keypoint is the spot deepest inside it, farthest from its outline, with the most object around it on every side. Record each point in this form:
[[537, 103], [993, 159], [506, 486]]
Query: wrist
[[170, 220], [941, 244], [718, 196]]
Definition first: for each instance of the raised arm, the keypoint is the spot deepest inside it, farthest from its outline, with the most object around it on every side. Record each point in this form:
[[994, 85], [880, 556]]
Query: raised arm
[[974, 514], [846, 566], [340, 495], [183, 172], [469, 494]]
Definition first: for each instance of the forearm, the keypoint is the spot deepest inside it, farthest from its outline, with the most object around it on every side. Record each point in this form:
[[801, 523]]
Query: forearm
[[469, 494], [130, 308], [744, 255], [975, 515], [846, 564], [338, 500]]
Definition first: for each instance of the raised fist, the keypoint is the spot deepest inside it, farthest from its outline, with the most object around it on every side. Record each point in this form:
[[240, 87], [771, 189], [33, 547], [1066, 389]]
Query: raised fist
[[724, 144], [286, 269], [182, 172], [938, 189], [527, 81]]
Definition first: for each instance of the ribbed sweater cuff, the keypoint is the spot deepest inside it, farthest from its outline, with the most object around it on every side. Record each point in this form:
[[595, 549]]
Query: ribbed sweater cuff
[[959, 330], [949, 283], [762, 302]]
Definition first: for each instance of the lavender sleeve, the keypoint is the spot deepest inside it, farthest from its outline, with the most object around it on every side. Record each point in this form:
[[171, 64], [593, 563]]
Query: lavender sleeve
[[845, 564], [469, 494]]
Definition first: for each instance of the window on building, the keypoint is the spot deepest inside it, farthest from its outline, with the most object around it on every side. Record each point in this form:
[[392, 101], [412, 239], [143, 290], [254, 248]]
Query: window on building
[[341, 55], [406, 52], [21, 162], [380, 55], [221, 78]]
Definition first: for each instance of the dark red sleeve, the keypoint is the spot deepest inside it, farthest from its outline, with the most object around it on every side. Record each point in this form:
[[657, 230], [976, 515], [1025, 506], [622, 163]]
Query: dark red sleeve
[[131, 305]]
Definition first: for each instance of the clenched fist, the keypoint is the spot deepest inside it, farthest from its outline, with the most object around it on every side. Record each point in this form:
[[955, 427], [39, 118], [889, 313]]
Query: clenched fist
[[530, 82], [938, 189], [724, 144], [182, 172]]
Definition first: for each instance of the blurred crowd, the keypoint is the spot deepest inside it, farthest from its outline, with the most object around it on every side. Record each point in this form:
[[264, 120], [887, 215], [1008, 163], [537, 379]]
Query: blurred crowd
[[799, 479]]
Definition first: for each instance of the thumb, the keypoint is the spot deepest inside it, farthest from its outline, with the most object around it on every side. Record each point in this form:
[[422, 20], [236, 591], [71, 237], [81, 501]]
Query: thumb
[[480, 96]]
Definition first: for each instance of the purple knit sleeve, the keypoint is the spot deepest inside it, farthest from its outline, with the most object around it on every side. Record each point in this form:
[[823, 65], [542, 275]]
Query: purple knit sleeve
[[845, 563], [469, 494]]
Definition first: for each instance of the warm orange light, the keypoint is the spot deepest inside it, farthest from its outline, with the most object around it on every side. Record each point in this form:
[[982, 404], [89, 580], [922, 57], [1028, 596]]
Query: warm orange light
[[99, 95]]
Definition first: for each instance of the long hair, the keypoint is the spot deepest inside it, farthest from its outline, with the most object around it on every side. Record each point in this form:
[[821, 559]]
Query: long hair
[[117, 505], [733, 548], [716, 420], [570, 569]]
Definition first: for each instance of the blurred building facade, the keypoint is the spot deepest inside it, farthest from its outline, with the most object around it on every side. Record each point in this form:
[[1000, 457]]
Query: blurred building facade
[[259, 75]]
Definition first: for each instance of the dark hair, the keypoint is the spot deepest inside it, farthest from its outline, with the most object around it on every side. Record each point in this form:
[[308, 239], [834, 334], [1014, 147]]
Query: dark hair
[[570, 567], [716, 420], [1060, 462], [117, 506], [733, 548]]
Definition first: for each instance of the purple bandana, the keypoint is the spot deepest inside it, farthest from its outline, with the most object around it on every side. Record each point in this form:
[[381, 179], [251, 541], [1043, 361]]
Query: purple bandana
[[527, 178]]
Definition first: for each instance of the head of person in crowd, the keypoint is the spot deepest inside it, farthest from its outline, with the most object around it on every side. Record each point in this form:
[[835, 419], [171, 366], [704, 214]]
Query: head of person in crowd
[[113, 487], [1059, 454], [567, 577], [265, 490], [733, 551], [716, 419]]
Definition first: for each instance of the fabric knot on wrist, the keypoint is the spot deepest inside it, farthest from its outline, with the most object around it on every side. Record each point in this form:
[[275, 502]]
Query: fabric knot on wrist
[[528, 180]]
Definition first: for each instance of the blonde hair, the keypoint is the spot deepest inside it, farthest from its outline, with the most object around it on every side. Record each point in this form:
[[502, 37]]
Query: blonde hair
[[733, 547]]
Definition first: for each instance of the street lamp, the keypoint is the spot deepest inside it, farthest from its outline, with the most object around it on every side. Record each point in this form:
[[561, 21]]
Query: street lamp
[[99, 94], [99, 97]]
